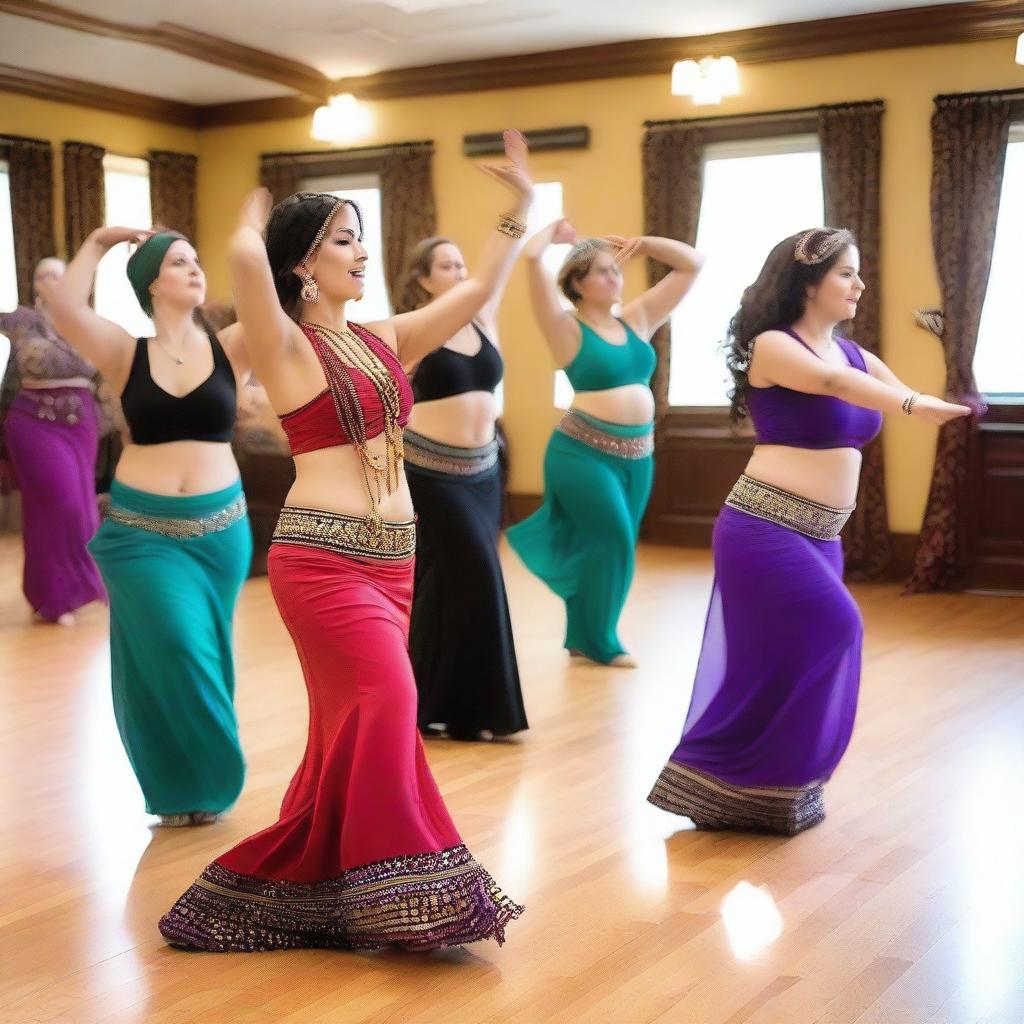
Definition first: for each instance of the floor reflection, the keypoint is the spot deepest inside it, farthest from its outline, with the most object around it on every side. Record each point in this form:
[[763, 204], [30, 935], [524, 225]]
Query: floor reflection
[[751, 918]]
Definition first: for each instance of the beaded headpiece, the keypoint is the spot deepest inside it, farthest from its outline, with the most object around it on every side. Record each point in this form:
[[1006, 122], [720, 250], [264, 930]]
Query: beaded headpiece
[[319, 236], [819, 244]]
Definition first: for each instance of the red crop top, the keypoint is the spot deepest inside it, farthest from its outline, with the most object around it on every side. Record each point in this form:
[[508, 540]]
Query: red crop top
[[315, 425]]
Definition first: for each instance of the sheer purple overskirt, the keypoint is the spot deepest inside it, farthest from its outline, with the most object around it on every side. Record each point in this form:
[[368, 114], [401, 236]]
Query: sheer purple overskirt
[[776, 687]]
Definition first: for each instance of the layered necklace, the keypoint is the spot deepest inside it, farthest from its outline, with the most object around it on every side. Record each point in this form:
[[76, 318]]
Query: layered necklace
[[339, 351]]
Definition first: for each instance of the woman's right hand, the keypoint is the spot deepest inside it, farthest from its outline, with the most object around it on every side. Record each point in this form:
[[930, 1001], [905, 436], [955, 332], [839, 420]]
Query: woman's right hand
[[256, 210], [515, 175], [107, 238], [935, 410], [558, 232]]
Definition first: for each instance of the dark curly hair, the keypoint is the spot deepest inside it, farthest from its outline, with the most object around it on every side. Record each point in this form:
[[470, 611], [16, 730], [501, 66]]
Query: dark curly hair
[[291, 228], [778, 298]]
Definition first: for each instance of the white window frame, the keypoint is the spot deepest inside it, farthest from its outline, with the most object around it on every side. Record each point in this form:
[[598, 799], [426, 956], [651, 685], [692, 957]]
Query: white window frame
[[9, 287], [1016, 397], [798, 142]]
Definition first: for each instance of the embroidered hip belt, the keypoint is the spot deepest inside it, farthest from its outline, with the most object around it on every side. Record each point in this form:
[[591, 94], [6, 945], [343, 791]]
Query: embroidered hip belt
[[185, 528], [55, 405], [443, 458], [822, 522], [345, 535], [584, 430]]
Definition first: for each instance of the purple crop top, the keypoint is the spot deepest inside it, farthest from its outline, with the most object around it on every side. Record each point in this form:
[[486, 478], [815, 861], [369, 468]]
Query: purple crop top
[[799, 420]]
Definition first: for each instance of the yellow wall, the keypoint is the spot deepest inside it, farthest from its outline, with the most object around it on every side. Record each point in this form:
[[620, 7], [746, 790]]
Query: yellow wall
[[62, 122], [602, 187]]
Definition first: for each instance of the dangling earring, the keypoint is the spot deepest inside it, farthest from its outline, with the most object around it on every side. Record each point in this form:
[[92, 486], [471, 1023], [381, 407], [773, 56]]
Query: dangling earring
[[310, 291]]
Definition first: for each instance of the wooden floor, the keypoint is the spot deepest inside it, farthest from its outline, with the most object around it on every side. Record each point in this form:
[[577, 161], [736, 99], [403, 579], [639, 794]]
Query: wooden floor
[[905, 907]]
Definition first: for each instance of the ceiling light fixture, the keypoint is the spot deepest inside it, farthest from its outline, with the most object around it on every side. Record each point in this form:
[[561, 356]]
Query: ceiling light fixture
[[707, 80], [344, 119]]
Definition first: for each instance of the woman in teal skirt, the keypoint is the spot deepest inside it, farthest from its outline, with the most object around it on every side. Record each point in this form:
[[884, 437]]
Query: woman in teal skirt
[[175, 546], [599, 463]]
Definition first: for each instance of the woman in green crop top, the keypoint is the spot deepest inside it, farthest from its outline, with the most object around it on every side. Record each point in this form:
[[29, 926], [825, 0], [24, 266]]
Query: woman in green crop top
[[599, 462]]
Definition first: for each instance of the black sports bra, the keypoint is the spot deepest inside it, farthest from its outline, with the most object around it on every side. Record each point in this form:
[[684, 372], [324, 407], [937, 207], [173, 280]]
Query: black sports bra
[[206, 413], [446, 372]]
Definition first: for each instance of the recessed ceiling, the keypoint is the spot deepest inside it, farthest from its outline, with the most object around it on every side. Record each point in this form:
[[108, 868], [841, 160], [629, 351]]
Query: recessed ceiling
[[360, 37]]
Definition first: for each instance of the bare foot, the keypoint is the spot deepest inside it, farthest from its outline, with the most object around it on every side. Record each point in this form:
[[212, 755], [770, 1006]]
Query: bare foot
[[174, 821], [67, 619], [623, 661]]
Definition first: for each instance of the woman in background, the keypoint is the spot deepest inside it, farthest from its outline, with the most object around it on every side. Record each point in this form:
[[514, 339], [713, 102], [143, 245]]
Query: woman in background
[[599, 463], [460, 639], [51, 434]]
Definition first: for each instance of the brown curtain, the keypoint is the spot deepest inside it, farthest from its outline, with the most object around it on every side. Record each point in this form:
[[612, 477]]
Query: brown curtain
[[172, 189], [851, 159], [673, 183], [280, 174], [408, 213], [969, 138], [30, 165], [84, 203]]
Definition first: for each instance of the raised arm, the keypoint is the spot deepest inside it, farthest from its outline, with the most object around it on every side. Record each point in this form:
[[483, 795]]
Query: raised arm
[[420, 331], [780, 360], [108, 346], [559, 327], [647, 312], [269, 334]]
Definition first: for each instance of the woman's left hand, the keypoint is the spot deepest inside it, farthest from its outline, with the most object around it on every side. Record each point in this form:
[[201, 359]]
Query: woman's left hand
[[626, 248], [515, 175]]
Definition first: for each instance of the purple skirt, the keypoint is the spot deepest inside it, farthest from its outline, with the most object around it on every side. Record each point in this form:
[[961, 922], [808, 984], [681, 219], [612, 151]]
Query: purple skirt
[[776, 688], [52, 437]]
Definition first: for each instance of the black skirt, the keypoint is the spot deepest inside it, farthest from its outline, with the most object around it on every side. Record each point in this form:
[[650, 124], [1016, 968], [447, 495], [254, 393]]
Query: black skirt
[[463, 654]]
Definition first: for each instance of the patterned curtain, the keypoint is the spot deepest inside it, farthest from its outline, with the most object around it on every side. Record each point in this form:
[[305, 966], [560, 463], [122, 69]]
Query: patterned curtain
[[30, 165], [172, 188], [969, 139], [84, 203], [851, 158], [280, 174], [408, 213], [673, 184]]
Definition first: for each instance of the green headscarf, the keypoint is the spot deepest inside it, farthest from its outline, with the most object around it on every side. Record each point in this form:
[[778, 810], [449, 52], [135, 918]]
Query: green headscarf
[[144, 265]]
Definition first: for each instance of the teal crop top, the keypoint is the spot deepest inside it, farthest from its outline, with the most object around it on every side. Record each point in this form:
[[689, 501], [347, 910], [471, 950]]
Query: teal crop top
[[600, 365]]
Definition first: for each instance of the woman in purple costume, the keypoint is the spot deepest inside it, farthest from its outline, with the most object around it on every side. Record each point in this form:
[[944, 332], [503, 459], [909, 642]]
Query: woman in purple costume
[[51, 436], [775, 694]]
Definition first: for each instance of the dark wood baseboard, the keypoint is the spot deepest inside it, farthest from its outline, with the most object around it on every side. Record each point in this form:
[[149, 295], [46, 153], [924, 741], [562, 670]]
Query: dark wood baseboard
[[519, 506]]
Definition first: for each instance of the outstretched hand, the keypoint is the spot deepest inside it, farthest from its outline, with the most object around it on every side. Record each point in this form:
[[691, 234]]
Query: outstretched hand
[[935, 410], [514, 175], [256, 210]]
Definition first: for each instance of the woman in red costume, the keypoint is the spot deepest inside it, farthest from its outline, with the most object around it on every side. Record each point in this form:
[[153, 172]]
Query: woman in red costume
[[364, 854]]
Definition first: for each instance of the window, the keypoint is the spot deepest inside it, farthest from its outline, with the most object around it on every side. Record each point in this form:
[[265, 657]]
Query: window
[[546, 207], [8, 270], [999, 357], [364, 190], [126, 188], [755, 194]]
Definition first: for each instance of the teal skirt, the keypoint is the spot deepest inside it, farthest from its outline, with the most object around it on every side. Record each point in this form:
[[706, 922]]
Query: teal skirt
[[174, 567], [582, 541]]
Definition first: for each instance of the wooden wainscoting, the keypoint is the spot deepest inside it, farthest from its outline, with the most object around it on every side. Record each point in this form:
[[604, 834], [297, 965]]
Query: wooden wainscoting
[[697, 460], [995, 502]]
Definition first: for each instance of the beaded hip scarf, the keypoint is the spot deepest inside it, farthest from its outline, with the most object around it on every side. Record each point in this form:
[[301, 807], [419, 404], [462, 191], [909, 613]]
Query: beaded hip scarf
[[345, 535], [579, 429], [181, 529], [420, 451], [822, 522]]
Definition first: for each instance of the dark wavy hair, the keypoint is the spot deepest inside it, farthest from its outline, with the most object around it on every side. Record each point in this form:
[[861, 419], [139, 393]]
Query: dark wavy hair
[[778, 298], [291, 228], [418, 263]]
